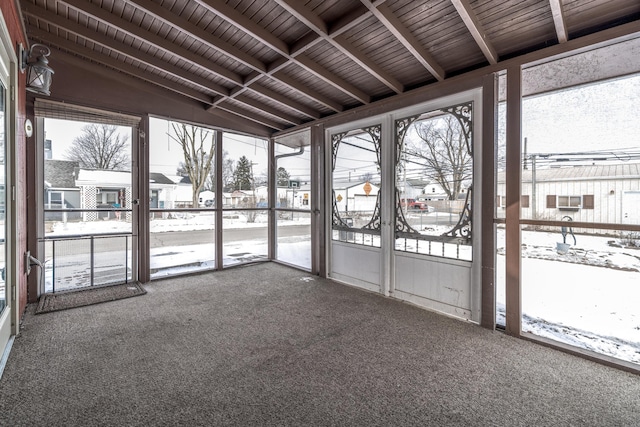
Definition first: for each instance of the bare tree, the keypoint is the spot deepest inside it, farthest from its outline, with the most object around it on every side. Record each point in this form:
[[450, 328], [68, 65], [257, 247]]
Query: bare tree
[[197, 155], [442, 148], [100, 146]]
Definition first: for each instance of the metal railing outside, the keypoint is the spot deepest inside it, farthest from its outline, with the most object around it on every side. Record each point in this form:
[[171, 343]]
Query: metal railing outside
[[80, 261]]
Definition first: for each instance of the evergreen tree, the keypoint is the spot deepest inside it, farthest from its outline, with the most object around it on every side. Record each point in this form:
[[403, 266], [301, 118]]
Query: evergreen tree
[[243, 175], [282, 177]]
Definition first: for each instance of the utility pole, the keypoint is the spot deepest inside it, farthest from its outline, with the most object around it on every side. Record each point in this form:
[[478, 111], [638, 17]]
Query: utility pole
[[533, 186]]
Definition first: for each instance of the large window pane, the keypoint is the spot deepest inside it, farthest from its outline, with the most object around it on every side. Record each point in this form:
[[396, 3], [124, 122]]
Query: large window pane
[[246, 197], [293, 199], [434, 177], [294, 238], [499, 207], [87, 204], [245, 236], [182, 198], [581, 163]]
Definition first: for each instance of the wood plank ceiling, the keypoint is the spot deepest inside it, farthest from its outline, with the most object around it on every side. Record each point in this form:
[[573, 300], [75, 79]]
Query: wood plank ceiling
[[282, 63]]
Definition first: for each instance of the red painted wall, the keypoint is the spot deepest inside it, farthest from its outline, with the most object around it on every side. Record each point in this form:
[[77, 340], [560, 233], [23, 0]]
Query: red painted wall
[[15, 26]]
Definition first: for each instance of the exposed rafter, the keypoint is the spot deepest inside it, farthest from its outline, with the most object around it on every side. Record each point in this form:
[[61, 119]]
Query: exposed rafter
[[154, 40], [475, 28], [558, 19], [236, 18], [246, 25], [153, 61], [99, 70], [404, 36], [123, 49], [314, 22], [85, 52], [228, 50]]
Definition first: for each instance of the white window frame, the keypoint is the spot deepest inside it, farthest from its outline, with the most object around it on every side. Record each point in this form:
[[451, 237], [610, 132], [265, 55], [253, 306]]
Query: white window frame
[[569, 205]]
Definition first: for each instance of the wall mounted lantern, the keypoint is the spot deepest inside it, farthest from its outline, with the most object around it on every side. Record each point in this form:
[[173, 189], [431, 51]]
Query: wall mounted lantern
[[38, 70]]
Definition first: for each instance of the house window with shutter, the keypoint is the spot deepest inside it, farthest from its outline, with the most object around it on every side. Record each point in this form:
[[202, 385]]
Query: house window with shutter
[[551, 201], [587, 201], [524, 201]]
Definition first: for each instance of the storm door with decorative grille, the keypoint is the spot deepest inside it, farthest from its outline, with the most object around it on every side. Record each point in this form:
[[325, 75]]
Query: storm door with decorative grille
[[435, 254], [355, 197]]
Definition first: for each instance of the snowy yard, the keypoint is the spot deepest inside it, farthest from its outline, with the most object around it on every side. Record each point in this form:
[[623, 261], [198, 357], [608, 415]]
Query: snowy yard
[[587, 297]]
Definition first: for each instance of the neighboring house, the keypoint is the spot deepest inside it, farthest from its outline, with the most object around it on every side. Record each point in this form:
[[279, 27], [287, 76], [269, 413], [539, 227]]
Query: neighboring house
[[103, 189], [182, 196], [161, 191], [606, 193], [433, 192], [60, 190], [243, 198]]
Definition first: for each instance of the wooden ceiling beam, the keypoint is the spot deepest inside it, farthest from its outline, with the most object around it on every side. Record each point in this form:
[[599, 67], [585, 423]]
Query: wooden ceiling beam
[[300, 87], [284, 101], [123, 49], [559, 20], [158, 63], [184, 25], [205, 37], [120, 66], [226, 49], [266, 109], [349, 20], [247, 26], [475, 28], [404, 36], [155, 40], [313, 21], [249, 115], [229, 14], [337, 82], [179, 103], [233, 117]]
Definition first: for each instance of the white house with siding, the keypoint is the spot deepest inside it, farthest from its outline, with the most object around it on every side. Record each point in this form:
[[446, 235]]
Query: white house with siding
[[602, 193]]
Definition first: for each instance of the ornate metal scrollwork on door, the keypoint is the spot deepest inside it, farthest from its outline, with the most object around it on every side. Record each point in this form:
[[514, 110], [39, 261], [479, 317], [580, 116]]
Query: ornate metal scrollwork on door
[[462, 230], [339, 223], [463, 112], [463, 227]]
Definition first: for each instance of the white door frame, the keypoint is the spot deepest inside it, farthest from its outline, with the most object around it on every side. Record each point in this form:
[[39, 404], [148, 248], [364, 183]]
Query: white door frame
[[9, 320]]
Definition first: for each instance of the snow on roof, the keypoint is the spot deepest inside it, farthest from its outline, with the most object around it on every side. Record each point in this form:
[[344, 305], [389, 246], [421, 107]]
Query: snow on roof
[[583, 172], [103, 178]]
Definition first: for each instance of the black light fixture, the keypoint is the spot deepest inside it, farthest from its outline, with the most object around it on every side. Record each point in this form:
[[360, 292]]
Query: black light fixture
[[38, 71]]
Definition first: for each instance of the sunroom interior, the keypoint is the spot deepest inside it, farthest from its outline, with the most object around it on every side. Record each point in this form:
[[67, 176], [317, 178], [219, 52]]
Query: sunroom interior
[[478, 159]]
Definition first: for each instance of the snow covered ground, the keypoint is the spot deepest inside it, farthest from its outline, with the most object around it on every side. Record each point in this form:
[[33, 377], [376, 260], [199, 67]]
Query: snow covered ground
[[588, 297]]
